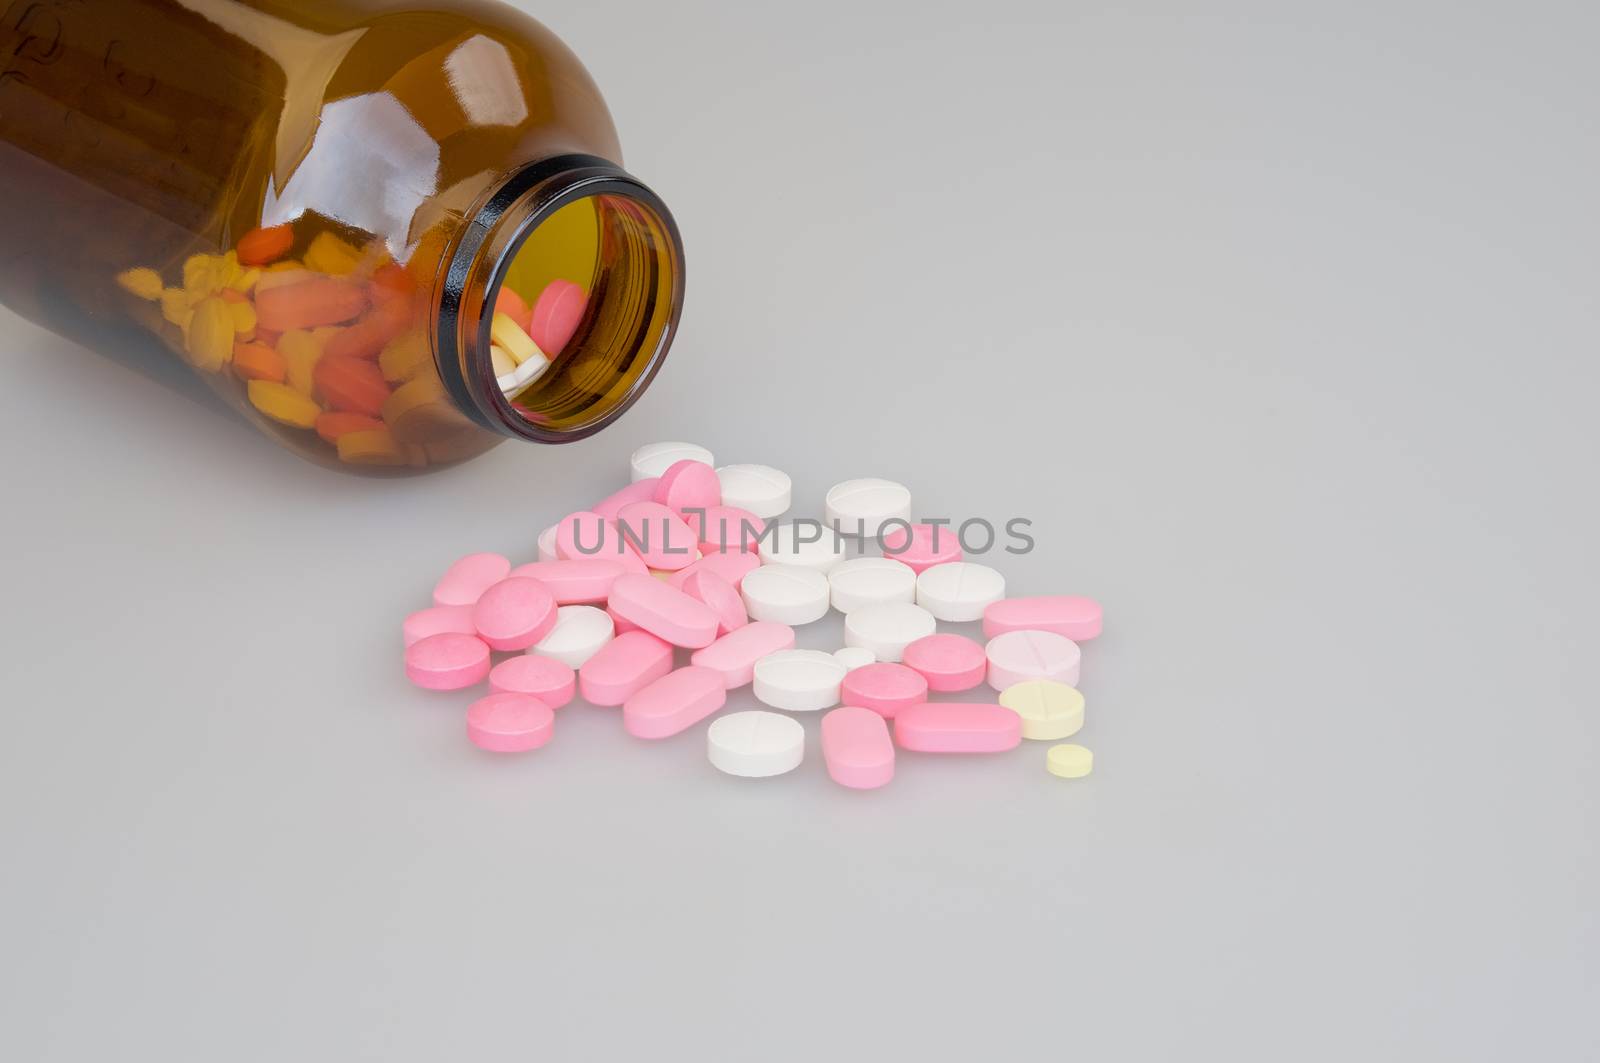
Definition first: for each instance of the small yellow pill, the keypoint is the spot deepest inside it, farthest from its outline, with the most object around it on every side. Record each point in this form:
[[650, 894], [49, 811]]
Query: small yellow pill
[[283, 404], [246, 280], [1069, 761], [331, 255], [301, 351], [420, 412], [244, 317], [374, 446], [210, 335], [505, 333], [504, 364], [199, 273], [177, 307], [142, 282], [1049, 709], [404, 357]]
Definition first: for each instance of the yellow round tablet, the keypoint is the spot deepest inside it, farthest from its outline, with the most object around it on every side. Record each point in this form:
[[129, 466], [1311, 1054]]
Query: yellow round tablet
[[1069, 761], [1049, 709]]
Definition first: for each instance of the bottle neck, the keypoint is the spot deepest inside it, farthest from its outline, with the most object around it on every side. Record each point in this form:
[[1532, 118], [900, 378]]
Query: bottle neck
[[588, 263]]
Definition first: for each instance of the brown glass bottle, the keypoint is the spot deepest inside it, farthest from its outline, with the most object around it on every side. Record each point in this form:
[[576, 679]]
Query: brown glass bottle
[[315, 208]]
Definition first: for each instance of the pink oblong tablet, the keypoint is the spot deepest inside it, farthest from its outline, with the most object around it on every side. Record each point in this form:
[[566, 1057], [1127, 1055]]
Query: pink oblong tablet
[[469, 577], [1072, 617], [947, 662], [1018, 656], [674, 703], [664, 611], [658, 535], [557, 313], [638, 491], [731, 566], [574, 582], [926, 545], [857, 748], [953, 727], [438, 620], [545, 678], [621, 625], [587, 536], [689, 484], [718, 595], [727, 528], [514, 613], [447, 662], [884, 688], [510, 723], [624, 666], [735, 654]]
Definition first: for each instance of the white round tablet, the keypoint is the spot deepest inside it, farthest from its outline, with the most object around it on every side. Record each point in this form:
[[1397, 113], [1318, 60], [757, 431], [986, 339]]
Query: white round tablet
[[803, 546], [799, 680], [853, 657], [580, 632], [887, 630], [1018, 656], [860, 507], [756, 744], [758, 489], [784, 594], [547, 543], [959, 591], [653, 459], [863, 581]]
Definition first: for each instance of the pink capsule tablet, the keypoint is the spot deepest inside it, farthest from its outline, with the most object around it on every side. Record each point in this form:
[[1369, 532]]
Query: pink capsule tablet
[[947, 662], [674, 703], [735, 654], [884, 688], [621, 625], [469, 577], [449, 661], [658, 535], [584, 582], [587, 536], [510, 723], [623, 667], [733, 567], [439, 620], [857, 748], [666, 612], [951, 727], [557, 313], [1071, 617], [718, 595], [545, 678], [727, 528], [923, 547], [514, 613], [689, 484], [1018, 656], [638, 491]]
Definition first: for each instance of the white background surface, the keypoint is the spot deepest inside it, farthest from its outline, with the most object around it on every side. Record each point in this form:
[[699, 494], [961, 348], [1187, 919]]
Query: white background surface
[[1280, 327]]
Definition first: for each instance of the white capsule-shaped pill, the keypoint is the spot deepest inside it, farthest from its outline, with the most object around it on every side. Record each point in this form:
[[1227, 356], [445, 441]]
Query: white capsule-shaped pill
[[758, 489], [860, 507], [863, 581], [755, 744], [653, 459], [959, 591], [887, 630], [799, 680], [783, 594], [853, 657], [803, 544], [580, 633]]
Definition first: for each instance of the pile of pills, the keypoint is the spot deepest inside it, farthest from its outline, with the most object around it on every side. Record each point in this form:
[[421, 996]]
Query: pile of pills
[[675, 590]]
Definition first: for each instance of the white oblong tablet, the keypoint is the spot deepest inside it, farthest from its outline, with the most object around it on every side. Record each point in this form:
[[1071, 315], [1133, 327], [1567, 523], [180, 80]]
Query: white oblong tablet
[[755, 744], [887, 630], [860, 507], [653, 459], [803, 545], [863, 581], [547, 543], [783, 594], [853, 657], [959, 591], [580, 632], [758, 489], [799, 680]]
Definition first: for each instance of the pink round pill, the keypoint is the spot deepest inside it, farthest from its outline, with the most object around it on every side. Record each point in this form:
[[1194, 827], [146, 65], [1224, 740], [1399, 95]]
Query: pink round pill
[[450, 661], [689, 484], [439, 620], [718, 595], [557, 313], [1018, 656], [515, 613], [545, 678], [727, 528], [469, 577], [510, 723], [922, 546], [1072, 617], [947, 662], [884, 688]]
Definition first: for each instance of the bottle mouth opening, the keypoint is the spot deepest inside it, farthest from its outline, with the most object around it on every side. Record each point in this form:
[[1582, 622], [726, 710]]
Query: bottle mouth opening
[[561, 300]]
